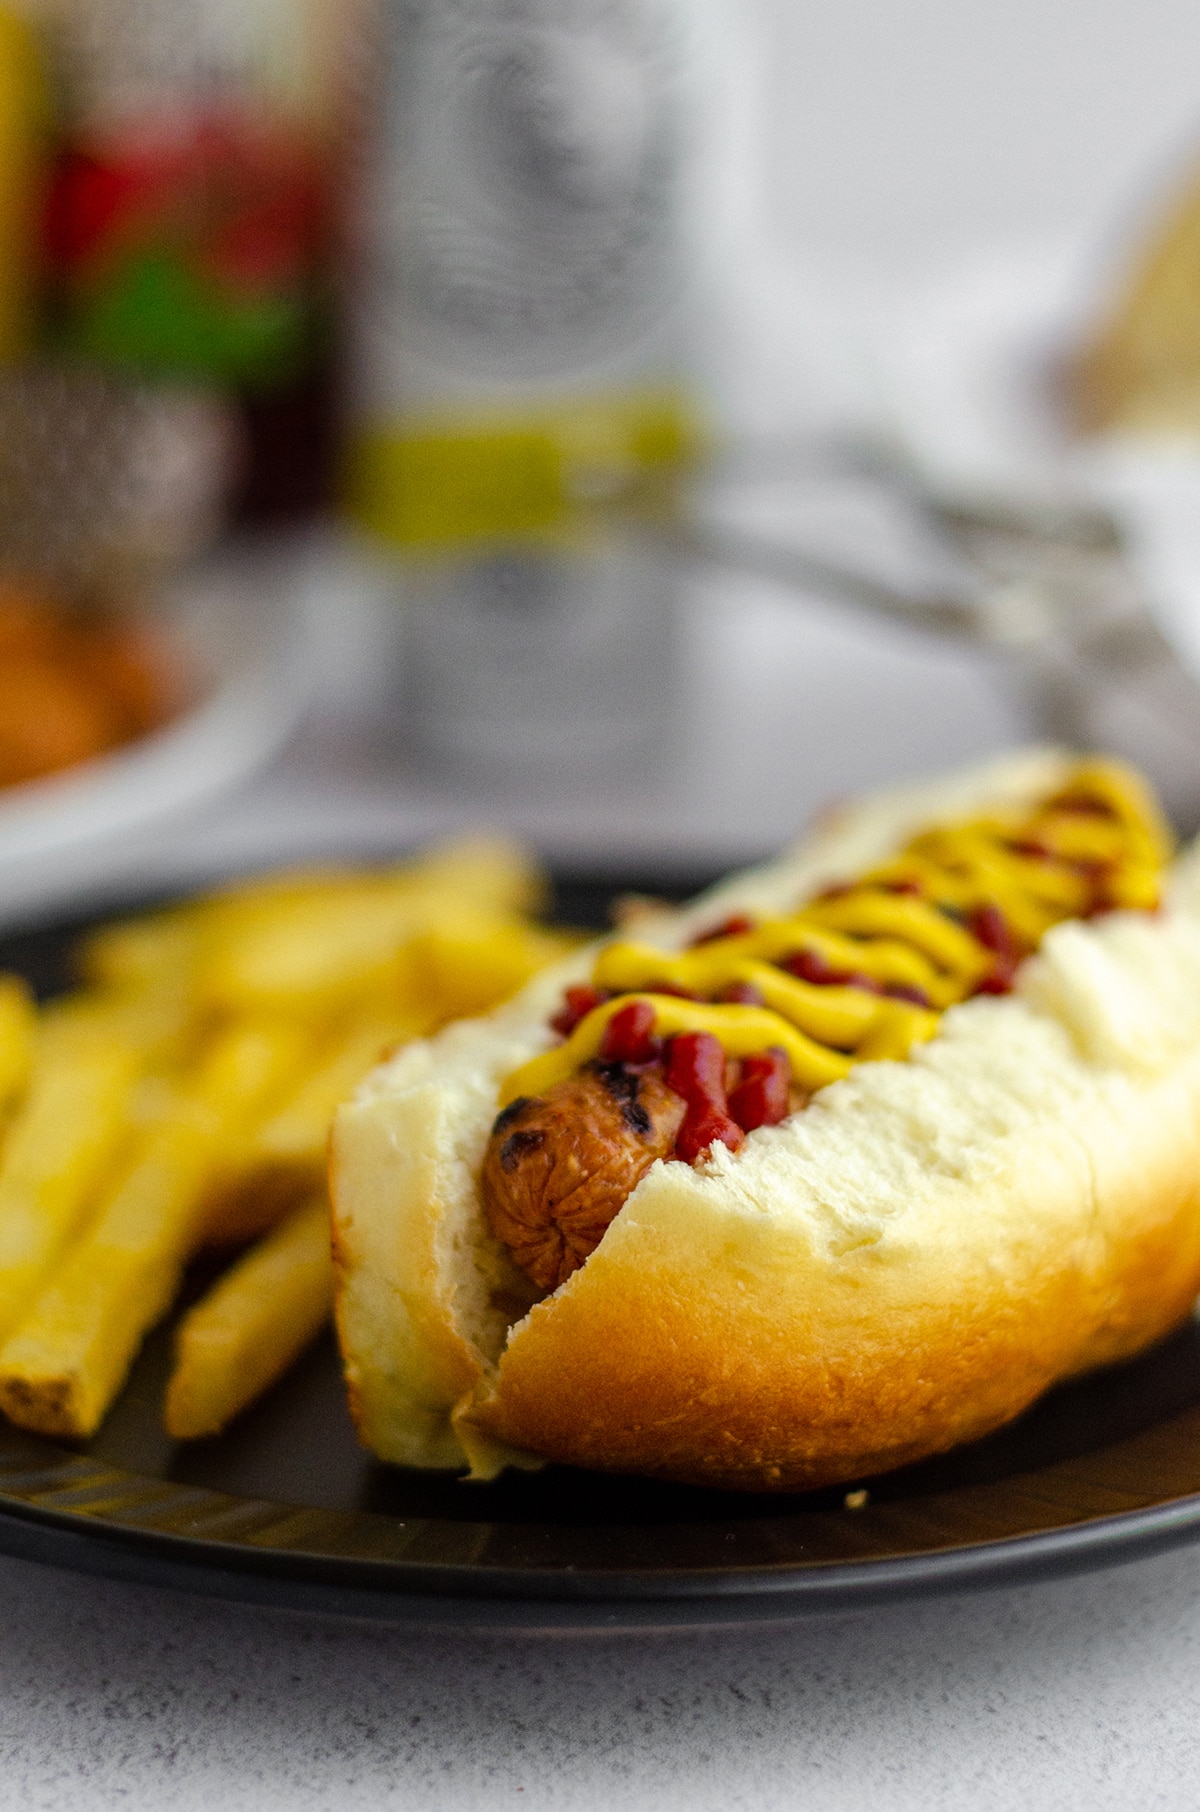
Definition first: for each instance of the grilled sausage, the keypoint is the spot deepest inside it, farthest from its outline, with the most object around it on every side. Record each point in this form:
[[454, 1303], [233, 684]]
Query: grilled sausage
[[560, 1166]]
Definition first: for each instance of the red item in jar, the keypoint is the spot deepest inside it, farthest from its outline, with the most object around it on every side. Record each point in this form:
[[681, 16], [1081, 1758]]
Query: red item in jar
[[734, 927], [696, 1070], [761, 1098], [577, 1004], [629, 1035], [990, 927]]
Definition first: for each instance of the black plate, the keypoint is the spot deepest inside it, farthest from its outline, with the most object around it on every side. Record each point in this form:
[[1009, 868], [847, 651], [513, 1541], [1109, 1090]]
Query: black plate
[[286, 1509]]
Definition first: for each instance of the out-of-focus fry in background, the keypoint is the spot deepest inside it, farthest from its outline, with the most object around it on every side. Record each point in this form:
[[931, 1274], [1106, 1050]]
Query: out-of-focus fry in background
[[17, 1021]]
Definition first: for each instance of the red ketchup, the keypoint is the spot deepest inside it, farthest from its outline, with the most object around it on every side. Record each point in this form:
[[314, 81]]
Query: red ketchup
[[990, 927], [1083, 807], [1098, 876], [735, 927], [742, 994], [761, 1097], [810, 966], [577, 1004], [696, 1070], [629, 1035], [903, 991]]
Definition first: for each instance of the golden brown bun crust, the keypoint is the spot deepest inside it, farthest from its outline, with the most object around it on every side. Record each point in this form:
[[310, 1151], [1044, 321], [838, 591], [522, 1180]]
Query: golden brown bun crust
[[698, 1376]]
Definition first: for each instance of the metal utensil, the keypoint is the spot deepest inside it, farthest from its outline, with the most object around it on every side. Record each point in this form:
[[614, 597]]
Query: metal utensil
[[1043, 583]]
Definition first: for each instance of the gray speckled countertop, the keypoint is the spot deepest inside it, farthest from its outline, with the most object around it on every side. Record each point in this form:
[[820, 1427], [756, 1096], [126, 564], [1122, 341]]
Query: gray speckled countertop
[[1076, 1694]]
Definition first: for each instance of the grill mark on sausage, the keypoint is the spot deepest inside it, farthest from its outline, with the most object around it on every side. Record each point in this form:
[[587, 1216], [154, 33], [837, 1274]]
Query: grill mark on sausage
[[505, 1118], [624, 1085], [518, 1145]]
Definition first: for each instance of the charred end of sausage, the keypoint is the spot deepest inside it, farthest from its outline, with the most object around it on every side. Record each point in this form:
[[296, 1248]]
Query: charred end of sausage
[[560, 1167], [517, 1146], [624, 1084], [510, 1115]]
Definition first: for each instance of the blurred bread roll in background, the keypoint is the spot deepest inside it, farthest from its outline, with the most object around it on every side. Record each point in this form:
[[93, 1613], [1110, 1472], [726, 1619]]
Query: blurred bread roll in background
[[1140, 369]]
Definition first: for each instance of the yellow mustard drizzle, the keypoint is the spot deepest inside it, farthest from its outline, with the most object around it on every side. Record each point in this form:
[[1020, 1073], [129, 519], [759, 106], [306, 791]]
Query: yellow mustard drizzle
[[1098, 843]]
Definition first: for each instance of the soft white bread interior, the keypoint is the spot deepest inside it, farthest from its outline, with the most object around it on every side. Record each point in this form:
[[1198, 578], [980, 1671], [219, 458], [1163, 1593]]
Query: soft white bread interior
[[903, 1265]]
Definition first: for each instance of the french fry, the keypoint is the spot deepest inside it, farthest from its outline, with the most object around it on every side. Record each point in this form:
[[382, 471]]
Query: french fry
[[468, 961], [481, 870], [277, 891], [157, 1022], [465, 963], [245, 1333], [65, 1361], [318, 951], [61, 1149], [322, 954], [247, 1067], [18, 1018], [140, 952], [283, 1158], [136, 952]]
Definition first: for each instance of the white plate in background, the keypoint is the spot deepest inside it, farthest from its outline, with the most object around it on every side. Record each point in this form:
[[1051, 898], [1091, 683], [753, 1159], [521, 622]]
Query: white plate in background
[[239, 624]]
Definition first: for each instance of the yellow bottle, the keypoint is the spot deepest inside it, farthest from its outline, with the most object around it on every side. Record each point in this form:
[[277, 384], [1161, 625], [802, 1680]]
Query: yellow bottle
[[23, 119]]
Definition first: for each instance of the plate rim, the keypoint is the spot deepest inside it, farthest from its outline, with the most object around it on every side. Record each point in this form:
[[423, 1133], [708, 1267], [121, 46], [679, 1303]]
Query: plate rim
[[396, 1591]]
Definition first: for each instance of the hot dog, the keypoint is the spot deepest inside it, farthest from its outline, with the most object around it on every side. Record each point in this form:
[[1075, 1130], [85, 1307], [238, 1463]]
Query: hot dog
[[842, 1165]]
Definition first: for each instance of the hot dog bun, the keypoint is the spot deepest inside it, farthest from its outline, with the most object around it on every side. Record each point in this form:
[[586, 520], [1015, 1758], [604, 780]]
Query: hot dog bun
[[902, 1266]]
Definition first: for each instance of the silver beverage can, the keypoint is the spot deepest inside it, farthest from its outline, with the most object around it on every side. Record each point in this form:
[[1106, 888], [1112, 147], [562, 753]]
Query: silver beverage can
[[522, 385]]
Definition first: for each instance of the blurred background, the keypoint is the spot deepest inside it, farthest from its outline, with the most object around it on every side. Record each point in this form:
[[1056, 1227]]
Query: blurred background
[[903, 137], [421, 413]]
